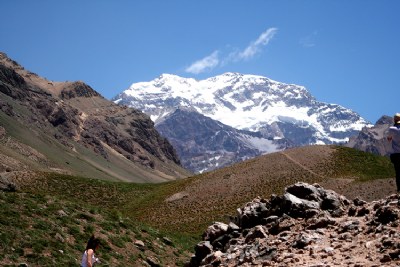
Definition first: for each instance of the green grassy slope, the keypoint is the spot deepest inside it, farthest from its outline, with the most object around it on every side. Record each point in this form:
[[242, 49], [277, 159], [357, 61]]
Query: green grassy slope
[[49, 223], [362, 166]]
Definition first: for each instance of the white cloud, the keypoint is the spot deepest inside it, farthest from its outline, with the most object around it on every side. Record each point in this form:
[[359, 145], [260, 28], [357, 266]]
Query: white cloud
[[207, 63], [212, 61], [255, 46]]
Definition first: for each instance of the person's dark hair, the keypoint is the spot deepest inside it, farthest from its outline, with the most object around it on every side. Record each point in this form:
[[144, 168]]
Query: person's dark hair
[[92, 243]]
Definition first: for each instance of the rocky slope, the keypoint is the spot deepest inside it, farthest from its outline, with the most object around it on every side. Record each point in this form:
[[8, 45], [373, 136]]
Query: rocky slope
[[204, 144], [306, 226], [273, 109], [373, 139], [86, 125]]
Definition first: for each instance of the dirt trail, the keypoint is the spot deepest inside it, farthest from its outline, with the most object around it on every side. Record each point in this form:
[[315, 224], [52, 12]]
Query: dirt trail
[[301, 165]]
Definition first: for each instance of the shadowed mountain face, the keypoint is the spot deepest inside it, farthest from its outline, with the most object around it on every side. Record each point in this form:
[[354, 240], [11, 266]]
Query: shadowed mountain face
[[117, 142], [204, 144]]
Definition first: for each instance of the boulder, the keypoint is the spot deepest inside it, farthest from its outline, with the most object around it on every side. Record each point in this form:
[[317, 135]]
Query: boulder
[[215, 230], [6, 184]]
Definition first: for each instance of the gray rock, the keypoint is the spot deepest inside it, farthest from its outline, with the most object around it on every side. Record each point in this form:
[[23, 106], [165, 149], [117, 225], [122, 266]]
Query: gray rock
[[301, 241], [256, 232], [297, 207], [139, 243], [252, 213], [330, 200], [323, 222], [61, 213], [215, 230], [233, 227], [304, 191], [7, 184], [153, 261]]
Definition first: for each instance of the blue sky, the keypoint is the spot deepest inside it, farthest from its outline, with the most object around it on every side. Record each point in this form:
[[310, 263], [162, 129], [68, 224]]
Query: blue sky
[[345, 52]]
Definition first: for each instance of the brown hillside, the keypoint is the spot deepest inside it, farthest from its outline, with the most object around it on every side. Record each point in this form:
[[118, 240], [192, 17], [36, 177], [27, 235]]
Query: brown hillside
[[217, 194], [79, 132]]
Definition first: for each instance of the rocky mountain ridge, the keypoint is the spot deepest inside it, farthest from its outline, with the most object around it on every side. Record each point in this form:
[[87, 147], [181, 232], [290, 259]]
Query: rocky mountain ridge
[[247, 102], [306, 226], [373, 139], [205, 144], [76, 116]]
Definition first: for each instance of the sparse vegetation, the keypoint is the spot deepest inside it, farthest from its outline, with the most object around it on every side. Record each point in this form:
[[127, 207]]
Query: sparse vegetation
[[51, 229], [49, 219], [363, 166]]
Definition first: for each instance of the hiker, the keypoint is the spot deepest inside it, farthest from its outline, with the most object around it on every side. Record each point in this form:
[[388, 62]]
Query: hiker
[[88, 257], [394, 137]]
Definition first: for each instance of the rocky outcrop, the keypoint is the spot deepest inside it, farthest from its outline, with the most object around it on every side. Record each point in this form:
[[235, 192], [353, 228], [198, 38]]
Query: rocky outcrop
[[306, 226], [373, 139], [6, 183], [10, 79], [78, 89]]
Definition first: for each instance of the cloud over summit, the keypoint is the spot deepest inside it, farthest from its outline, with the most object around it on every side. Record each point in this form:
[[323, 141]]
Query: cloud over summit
[[209, 62], [256, 46], [212, 61]]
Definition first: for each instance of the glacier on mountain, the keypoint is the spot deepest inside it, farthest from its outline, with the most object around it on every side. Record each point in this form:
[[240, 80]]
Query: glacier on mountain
[[247, 102]]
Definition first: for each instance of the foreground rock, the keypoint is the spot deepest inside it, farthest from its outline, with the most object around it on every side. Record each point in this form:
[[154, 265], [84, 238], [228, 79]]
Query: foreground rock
[[6, 183], [307, 226]]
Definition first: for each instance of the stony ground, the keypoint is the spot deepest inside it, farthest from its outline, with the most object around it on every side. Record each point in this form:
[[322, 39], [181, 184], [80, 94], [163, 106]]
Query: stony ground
[[368, 191], [307, 226]]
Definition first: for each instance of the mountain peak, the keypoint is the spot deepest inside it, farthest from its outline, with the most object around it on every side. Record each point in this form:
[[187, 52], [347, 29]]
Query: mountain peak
[[272, 110], [6, 61], [166, 76], [77, 89], [242, 101], [232, 74]]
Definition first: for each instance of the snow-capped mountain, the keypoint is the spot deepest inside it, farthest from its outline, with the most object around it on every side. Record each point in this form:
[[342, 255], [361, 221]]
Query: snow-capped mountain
[[248, 102]]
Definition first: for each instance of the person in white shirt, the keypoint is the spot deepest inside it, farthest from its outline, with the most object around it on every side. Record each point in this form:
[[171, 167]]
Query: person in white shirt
[[88, 257], [393, 136]]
